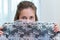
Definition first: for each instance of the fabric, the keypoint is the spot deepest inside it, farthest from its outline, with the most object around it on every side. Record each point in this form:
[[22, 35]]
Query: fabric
[[19, 30]]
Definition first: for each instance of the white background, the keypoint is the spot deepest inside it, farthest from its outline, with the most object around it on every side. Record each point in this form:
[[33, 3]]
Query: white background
[[50, 11]]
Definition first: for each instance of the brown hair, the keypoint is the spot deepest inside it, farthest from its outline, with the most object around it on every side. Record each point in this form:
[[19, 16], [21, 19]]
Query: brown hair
[[22, 5]]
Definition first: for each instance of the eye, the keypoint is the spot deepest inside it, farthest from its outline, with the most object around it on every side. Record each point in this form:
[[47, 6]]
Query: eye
[[24, 17], [31, 17]]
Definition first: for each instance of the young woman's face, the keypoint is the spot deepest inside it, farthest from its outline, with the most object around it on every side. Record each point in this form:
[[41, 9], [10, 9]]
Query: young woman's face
[[27, 14]]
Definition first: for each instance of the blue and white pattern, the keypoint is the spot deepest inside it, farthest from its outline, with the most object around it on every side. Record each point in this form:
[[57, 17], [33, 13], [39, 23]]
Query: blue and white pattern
[[21, 30]]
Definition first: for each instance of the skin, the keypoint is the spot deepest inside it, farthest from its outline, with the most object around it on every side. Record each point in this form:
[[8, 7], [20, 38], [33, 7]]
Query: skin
[[27, 14], [1, 31], [56, 28]]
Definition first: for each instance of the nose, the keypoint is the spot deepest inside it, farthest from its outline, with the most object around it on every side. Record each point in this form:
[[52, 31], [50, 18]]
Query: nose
[[28, 21]]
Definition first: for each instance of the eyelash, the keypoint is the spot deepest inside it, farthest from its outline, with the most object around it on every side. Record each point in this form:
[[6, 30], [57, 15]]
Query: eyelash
[[24, 18], [31, 17]]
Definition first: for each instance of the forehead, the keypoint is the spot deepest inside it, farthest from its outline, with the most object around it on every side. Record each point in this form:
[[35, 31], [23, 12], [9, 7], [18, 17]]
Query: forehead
[[27, 12]]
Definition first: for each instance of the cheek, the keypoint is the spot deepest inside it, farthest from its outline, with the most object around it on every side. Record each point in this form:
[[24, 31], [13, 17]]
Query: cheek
[[34, 19], [20, 18]]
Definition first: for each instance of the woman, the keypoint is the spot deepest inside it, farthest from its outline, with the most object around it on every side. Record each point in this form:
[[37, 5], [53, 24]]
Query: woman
[[27, 11]]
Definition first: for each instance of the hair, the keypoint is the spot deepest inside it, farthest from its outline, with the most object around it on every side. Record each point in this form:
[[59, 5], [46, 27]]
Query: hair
[[23, 5]]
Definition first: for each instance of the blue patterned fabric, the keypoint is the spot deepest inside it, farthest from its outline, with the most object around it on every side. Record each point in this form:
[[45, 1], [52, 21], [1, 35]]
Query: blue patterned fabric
[[19, 30]]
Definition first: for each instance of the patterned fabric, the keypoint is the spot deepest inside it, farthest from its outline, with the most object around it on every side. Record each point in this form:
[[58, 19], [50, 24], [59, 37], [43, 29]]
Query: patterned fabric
[[21, 30]]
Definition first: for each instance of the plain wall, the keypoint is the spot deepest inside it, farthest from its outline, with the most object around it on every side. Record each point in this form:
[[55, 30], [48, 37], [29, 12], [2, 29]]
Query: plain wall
[[50, 11]]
